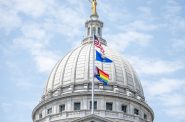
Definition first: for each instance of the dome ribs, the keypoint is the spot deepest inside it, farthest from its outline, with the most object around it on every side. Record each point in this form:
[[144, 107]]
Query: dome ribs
[[75, 64], [108, 67], [63, 70], [87, 63], [124, 74], [132, 73], [75, 69], [51, 77]]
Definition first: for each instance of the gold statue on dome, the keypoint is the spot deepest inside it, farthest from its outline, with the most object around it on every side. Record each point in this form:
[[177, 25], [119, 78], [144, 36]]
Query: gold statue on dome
[[94, 4]]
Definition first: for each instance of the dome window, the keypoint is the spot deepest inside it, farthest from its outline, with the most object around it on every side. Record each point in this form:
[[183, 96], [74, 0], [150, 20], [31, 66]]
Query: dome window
[[145, 116], [88, 31], [99, 31], [62, 108], [109, 106], [93, 30], [40, 116], [34, 117], [77, 106], [136, 111], [49, 111], [95, 105], [124, 108]]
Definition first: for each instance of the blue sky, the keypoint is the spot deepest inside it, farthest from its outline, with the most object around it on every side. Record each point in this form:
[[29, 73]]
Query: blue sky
[[35, 34]]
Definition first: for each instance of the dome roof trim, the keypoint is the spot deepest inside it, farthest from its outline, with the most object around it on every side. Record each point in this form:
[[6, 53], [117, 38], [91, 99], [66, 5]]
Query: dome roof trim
[[76, 67]]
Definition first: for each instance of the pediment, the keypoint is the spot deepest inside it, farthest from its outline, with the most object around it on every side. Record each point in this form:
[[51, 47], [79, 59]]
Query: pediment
[[92, 118]]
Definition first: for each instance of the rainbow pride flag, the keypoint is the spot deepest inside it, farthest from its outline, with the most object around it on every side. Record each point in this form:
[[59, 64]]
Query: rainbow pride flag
[[102, 76]]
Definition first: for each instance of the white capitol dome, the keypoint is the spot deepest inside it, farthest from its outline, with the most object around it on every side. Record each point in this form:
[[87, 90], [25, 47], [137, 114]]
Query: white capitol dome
[[76, 68], [67, 94]]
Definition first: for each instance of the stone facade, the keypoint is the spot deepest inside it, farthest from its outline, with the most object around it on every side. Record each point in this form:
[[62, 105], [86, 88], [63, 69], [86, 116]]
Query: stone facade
[[84, 98]]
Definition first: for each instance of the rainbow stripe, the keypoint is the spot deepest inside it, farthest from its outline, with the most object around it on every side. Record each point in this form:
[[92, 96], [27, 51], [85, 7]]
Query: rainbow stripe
[[102, 76]]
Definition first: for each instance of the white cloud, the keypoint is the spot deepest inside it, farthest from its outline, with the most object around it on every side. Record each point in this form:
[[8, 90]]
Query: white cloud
[[17, 110], [178, 45], [35, 31], [176, 112], [35, 8], [140, 25], [70, 27], [145, 13], [163, 86], [169, 95], [35, 36], [23, 83], [6, 107], [112, 13], [9, 20], [45, 60], [122, 40], [35, 40], [153, 66], [173, 15], [11, 12], [55, 17]]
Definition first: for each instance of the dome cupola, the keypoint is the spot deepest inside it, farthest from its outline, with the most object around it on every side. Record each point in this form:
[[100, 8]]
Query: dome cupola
[[93, 26]]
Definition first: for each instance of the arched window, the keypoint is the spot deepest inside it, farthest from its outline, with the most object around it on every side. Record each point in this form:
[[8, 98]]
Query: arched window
[[93, 30], [99, 31], [88, 31]]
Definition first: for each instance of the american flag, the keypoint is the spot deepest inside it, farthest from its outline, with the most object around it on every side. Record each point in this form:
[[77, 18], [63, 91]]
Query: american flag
[[97, 43]]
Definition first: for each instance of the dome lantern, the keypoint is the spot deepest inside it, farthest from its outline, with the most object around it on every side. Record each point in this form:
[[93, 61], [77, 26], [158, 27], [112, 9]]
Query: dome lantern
[[93, 25]]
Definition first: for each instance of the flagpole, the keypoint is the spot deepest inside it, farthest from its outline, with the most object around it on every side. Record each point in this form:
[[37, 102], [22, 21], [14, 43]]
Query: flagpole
[[92, 101]]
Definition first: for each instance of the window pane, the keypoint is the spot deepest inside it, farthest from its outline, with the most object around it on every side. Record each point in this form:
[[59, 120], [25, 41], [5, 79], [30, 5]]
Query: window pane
[[136, 111], [94, 30], [109, 106], [145, 116], [76, 106], [88, 33], [99, 31], [62, 108], [40, 116], [95, 105], [49, 111], [124, 108]]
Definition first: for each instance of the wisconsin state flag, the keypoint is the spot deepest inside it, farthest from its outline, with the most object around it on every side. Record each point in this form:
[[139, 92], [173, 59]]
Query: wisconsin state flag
[[102, 58]]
